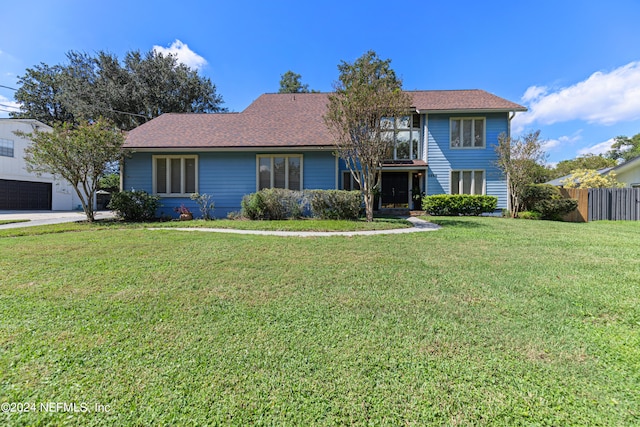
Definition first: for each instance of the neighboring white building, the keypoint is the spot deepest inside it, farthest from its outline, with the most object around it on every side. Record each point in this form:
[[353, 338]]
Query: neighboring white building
[[21, 190]]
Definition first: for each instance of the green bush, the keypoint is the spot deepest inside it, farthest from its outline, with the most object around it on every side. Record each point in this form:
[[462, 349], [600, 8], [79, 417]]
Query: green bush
[[135, 205], [546, 200], [529, 215], [273, 204], [459, 204], [335, 204]]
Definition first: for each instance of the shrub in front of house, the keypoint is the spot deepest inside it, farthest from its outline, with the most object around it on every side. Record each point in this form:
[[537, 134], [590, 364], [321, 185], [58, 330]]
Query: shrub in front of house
[[529, 215], [134, 205], [546, 200], [273, 204], [459, 204], [335, 204]]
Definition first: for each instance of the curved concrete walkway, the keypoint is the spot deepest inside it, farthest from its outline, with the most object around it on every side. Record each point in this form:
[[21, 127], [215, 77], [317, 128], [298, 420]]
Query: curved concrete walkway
[[418, 225], [46, 217]]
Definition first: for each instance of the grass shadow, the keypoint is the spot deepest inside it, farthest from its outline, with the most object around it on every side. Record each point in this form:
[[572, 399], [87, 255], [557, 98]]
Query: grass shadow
[[454, 222]]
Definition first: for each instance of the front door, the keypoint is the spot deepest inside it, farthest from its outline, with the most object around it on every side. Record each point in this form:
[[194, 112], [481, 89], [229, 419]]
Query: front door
[[395, 190]]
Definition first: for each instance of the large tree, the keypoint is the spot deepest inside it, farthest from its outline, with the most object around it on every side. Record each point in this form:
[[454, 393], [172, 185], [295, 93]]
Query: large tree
[[519, 159], [79, 154], [367, 92], [625, 148], [588, 161], [128, 93], [39, 95], [290, 83]]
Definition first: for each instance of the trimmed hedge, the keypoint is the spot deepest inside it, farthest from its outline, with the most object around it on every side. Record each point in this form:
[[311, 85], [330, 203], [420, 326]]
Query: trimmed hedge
[[459, 204], [278, 203], [546, 200], [135, 205], [273, 204], [335, 204]]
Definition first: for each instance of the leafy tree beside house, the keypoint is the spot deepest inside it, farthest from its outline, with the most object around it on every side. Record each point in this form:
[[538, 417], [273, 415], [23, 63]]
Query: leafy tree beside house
[[519, 159], [588, 161], [79, 154], [127, 93], [367, 91], [625, 148]]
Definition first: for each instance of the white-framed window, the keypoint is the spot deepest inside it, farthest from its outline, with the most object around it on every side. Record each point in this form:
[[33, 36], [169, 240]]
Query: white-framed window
[[468, 132], [468, 182], [405, 133], [175, 175], [6, 147], [348, 182], [279, 171]]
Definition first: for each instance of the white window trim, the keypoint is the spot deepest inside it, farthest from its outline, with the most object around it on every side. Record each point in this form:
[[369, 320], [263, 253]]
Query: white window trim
[[473, 180], [271, 168], [154, 173], [473, 125]]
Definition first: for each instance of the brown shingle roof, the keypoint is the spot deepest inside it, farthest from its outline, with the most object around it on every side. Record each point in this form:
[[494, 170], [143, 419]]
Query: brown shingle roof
[[285, 120]]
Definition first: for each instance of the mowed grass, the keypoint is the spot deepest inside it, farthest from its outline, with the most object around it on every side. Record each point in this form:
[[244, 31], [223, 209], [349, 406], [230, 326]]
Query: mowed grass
[[487, 321]]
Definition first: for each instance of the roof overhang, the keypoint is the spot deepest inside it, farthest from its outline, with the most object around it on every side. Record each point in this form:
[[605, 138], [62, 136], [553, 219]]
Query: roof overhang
[[470, 111], [263, 149], [404, 165]]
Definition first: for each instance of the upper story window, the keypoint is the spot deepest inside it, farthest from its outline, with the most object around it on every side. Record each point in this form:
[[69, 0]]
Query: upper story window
[[467, 132], [280, 171], [6, 147], [175, 175], [405, 132]]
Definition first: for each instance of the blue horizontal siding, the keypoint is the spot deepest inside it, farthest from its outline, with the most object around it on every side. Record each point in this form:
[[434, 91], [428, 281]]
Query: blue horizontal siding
[[442, 159], [319, 170], [226, 177]]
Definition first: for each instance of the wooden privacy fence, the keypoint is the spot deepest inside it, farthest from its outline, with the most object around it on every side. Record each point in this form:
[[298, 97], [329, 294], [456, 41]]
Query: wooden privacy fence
[[594, 204]]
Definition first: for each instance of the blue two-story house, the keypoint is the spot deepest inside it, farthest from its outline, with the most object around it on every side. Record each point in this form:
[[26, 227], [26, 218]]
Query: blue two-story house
[[444, 145]]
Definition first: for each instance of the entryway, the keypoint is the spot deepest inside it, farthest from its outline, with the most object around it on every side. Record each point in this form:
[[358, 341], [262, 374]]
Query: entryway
[[395, 190]]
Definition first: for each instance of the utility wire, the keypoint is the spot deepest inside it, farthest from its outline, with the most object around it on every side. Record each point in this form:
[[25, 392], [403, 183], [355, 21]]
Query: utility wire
[[9, 106], [7, 87]]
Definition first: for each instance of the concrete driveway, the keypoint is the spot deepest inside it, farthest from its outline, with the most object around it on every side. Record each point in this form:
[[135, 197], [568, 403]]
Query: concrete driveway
[[47, 217]]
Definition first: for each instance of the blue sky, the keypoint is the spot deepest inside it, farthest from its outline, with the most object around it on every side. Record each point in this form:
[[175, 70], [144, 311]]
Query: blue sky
[[574, 64]]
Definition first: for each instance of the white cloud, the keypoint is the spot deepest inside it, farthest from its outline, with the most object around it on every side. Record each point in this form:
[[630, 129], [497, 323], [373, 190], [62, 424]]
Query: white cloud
[[600, 148], [184, 54], [533, 93], [603, 98], [563, 140]]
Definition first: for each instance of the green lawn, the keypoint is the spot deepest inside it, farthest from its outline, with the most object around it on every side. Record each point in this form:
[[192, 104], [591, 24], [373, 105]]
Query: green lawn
[[487, 321]]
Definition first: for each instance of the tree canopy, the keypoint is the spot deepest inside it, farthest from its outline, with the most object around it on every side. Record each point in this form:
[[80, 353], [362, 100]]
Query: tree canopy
[[589, 178], [588, 161], [127, 93], [290, 82], [367, 91], [625, 148], [78, 153]]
